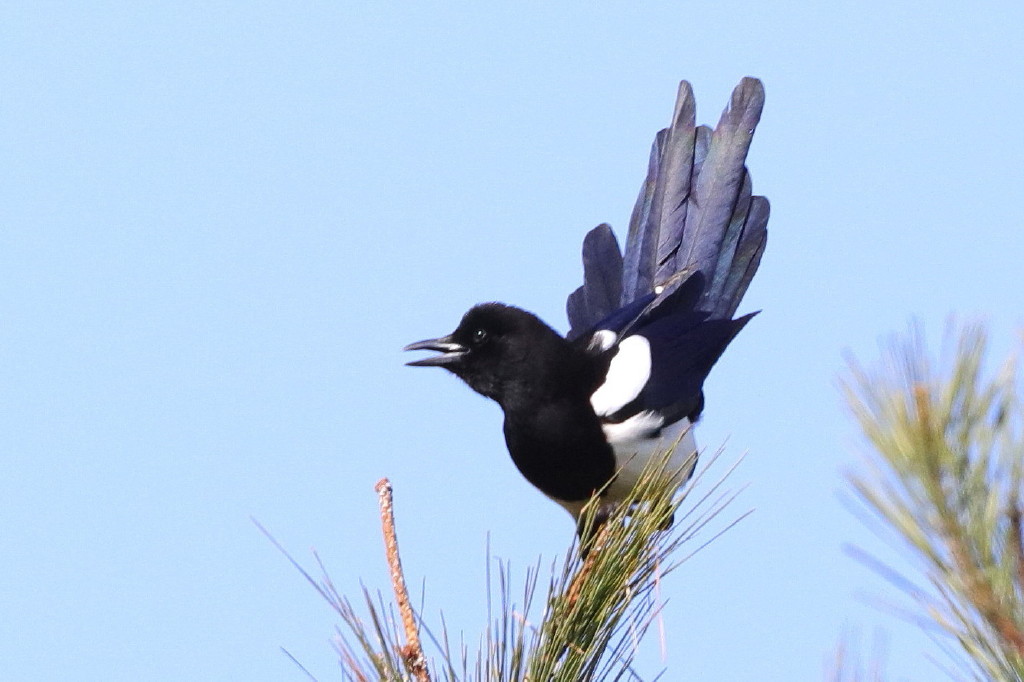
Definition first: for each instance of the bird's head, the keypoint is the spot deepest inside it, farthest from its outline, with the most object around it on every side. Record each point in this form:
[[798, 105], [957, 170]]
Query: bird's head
[[494, 348]]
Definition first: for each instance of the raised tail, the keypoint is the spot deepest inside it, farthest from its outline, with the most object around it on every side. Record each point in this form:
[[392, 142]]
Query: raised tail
[[696, 213]]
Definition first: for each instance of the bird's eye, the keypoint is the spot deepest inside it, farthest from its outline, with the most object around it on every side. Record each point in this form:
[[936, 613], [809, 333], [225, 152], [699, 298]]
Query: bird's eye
[[479, 335]]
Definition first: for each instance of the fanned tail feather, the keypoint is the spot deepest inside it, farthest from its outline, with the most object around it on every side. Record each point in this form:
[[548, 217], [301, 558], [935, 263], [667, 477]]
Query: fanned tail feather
[[602, 279], [696, 213]]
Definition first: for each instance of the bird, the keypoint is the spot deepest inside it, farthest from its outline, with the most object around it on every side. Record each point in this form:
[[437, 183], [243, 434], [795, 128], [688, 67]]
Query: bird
[[585, 412]]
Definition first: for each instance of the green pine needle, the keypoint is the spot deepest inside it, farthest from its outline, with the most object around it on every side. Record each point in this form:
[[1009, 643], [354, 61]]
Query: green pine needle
[[946, 478]]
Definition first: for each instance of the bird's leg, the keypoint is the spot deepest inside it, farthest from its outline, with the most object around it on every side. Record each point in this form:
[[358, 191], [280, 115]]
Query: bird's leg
[[666, 523], [659, 508], [589, 529]]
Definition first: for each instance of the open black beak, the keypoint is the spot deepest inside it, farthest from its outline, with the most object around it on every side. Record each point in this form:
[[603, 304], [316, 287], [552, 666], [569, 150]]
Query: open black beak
[[450, 352]]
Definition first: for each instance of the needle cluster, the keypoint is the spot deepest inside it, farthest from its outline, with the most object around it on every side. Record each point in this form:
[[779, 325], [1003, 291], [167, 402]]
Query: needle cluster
[[945, 478]]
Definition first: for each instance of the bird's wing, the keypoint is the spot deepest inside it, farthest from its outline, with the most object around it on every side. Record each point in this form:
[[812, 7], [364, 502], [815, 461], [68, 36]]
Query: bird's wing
[[681, 359], [659, 356], [695, 214]]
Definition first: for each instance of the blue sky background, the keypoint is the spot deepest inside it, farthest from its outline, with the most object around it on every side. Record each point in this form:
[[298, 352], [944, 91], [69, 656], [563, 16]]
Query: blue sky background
[[220, 222]]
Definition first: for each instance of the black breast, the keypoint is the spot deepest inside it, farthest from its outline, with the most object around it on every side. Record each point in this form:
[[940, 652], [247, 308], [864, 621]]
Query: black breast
[[560, 448]]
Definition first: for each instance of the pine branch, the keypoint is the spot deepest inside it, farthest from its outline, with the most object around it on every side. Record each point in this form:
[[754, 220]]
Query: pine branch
[[946, 479]]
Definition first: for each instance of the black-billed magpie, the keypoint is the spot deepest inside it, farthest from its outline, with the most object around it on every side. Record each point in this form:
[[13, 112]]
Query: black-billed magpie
[[584, 413]]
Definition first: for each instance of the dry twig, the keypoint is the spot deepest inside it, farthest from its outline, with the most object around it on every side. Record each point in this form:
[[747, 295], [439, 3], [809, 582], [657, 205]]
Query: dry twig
[[412, 652]]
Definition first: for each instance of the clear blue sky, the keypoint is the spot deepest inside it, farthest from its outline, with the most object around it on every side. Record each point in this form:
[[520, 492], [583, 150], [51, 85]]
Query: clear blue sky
[[219, 223]]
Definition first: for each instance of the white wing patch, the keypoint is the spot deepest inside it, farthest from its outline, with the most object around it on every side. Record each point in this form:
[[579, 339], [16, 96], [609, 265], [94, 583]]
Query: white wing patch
[[628, 373]]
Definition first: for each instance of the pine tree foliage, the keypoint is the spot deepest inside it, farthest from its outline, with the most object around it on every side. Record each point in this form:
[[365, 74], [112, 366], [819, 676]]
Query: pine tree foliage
[[946, 479], [592, 614]]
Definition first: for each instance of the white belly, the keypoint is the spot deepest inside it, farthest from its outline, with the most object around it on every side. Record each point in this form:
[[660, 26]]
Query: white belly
[[632, 455]]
